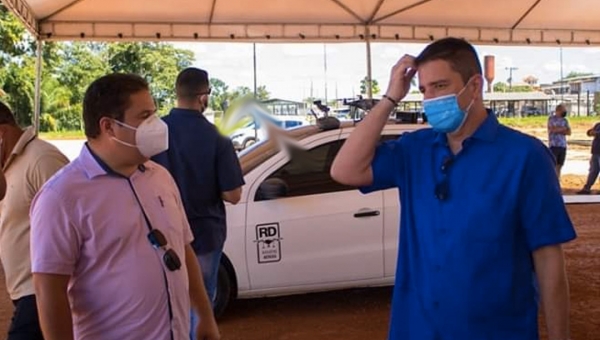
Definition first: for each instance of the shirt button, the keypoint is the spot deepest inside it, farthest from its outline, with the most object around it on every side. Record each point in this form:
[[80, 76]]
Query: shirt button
[[436, 304], [438, 267], [443, 231]]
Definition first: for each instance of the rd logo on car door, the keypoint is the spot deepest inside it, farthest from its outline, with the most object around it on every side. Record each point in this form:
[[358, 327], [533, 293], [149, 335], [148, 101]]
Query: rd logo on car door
[[268, 243]]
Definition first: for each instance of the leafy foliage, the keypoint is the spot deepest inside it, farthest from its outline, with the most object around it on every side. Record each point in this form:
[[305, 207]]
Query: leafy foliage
[[69, 68]]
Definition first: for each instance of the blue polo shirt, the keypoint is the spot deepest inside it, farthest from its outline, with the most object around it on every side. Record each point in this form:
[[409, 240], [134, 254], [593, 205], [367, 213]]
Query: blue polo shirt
[[204, 165], [465, 267]]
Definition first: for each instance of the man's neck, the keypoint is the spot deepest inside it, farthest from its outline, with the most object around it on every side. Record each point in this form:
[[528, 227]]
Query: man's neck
[[473, 122], [192, 107], [107, 157]]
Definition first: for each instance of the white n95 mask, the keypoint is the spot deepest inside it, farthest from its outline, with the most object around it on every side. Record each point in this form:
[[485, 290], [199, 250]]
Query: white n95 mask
[[151, 136]]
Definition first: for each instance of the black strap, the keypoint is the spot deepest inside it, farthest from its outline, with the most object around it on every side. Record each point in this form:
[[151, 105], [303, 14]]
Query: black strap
[[149, 225]]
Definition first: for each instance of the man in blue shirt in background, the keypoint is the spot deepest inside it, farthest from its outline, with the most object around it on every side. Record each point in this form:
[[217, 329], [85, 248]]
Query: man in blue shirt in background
[[482, 219], [206, 170], [594, 160]]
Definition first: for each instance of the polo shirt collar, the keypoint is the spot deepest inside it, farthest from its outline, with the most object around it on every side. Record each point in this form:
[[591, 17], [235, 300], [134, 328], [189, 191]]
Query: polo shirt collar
[[180, 111], [94, 166], [487, 131], [27, 136]]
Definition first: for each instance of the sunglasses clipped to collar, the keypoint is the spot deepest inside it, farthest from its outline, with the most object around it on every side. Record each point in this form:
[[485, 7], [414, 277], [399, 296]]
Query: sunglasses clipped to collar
[[159, 241], [442, 189]]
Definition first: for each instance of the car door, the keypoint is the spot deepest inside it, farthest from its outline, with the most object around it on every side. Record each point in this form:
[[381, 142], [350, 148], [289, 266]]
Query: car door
[[303, 228]]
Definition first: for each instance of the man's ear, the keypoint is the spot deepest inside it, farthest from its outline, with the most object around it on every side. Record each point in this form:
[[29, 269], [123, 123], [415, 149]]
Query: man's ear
[[107, 126], [477, 84], [204, 101]]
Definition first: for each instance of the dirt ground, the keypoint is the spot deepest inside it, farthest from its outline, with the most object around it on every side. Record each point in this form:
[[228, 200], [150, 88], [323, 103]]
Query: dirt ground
[[363, 313]]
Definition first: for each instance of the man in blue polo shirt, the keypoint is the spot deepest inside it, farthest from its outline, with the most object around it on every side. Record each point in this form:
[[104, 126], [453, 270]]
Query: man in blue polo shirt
[[483, 218], [206, 170]]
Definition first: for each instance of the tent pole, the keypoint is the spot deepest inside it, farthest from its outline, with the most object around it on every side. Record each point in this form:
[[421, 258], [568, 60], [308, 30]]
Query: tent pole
[[38, 86], [369, 75], [254, 66]]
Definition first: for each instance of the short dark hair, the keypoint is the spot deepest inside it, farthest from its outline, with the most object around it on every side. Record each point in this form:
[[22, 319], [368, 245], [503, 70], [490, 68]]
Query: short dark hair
[[6, 115], [461, 56], [109, 96], [560, 106], [190, 82]]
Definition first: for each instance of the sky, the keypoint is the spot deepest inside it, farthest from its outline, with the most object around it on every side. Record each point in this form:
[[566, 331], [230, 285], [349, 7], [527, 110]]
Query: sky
[[288, 70]]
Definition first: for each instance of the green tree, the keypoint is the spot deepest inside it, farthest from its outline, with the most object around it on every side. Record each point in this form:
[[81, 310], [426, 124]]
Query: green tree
[[219, 95], [522, 88], [56, 103], [500, 87], [14, 40], [240, 92], [364, 86], [69, 68], [17, 71], [17, 67], [83, 62], [262, 93], [574, 74], [158, 63]]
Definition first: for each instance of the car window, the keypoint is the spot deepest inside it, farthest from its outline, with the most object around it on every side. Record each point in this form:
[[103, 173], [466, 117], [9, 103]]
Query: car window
[[307, 173]]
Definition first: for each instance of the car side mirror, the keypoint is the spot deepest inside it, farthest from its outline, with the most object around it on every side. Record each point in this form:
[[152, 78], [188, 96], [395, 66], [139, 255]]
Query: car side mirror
[[271, 189]]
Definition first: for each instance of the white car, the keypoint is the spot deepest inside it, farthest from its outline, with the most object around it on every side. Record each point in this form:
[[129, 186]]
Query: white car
[[296, 230]]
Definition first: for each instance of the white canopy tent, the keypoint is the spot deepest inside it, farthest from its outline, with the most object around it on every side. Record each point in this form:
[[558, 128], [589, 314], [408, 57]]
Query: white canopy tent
[[479, 21], [507, 22]]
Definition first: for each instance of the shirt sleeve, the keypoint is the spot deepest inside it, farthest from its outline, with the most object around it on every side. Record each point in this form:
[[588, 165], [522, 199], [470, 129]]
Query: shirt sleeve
[[387, 166], [543, 214], [44, 168], [55, 242], [229, 171]]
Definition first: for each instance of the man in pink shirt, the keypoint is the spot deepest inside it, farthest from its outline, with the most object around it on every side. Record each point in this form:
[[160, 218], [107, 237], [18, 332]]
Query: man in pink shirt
[[111, 254]]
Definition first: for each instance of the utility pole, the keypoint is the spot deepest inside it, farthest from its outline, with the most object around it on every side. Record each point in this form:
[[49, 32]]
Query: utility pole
[[510, 78], [562, 87]]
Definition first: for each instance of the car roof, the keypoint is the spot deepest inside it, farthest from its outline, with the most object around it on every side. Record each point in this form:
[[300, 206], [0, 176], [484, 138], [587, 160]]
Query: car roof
[[263, 150]]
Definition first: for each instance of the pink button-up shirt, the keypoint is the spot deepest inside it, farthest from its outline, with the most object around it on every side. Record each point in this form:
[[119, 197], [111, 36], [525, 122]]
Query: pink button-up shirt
[[87, 223]]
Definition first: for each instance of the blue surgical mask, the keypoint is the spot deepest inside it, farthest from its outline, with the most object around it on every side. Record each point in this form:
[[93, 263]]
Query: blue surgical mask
[[444, 114]]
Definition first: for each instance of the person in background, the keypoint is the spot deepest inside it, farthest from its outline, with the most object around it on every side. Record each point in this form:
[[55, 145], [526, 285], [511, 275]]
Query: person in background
[[558, 130], [27, 163], [594, 160], [206, 169]]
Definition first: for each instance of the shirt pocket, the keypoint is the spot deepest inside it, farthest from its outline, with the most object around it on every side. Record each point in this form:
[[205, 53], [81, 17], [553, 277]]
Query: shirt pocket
[[170, 217], [488, 220]]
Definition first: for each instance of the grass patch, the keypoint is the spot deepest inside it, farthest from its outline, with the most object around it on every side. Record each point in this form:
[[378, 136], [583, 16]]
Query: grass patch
[[542, 121], [528, 124], [78, 134]]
